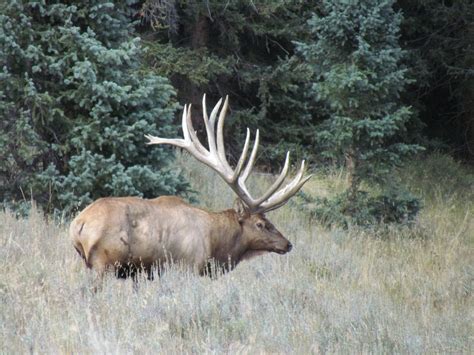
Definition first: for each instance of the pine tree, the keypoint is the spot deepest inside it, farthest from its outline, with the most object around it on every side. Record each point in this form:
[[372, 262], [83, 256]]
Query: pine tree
[[74, 107], [244, 49], [356, 58]]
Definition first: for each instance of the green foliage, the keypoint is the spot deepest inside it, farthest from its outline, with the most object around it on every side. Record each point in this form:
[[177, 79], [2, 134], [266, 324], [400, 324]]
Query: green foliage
[[244, 49], [392, 206], [198, 66], [74, 107], [356, 61]]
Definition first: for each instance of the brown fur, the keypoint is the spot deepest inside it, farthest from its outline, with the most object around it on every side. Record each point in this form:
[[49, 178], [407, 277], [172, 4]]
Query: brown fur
[[127, 231]]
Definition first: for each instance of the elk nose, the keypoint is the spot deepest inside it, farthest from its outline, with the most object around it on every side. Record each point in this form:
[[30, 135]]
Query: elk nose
[[289, 246]]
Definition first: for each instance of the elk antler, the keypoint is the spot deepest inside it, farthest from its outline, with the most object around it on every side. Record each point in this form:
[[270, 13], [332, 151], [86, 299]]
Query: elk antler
[[216, 159]]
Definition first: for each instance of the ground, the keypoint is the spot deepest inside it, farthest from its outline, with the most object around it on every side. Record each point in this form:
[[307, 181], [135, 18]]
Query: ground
[[388, 289]]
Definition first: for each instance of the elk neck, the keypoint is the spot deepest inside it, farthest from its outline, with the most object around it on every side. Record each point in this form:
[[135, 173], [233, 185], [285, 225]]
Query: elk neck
[[227, 239]]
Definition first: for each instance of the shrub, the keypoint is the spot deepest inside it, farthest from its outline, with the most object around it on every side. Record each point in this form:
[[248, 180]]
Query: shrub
[[367, 210]]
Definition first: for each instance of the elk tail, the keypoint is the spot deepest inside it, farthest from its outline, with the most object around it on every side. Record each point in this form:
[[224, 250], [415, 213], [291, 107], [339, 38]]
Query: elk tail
[[75, 231]]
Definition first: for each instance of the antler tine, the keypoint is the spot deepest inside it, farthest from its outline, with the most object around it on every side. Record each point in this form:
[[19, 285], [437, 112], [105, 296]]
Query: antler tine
[[212, 125], [172, 141], [278, 182], [251, 162], [243, 157], [212, 119], [283, 195], [179, 142], [220, 137], [184, 124], [192, 133], [209, 127], [274, 206]]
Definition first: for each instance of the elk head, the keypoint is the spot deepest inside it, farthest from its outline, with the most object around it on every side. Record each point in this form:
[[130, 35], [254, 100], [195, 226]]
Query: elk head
[[259, 234]]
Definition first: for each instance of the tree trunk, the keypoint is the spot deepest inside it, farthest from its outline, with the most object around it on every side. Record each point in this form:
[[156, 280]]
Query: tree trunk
[[198, 32], [353, 178], [199, 39]]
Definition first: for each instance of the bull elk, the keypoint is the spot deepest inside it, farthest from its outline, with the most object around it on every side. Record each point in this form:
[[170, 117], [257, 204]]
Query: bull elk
[[131, 233]]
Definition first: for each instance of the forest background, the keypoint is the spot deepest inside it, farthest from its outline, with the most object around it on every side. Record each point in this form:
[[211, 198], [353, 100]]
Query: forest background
[[355, 84]]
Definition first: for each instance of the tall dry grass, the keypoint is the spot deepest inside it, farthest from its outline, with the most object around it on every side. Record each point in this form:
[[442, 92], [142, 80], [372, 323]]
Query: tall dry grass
[[381, 291]]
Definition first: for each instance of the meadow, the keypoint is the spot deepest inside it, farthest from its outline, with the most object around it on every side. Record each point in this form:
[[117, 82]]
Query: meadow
[[381, 290]]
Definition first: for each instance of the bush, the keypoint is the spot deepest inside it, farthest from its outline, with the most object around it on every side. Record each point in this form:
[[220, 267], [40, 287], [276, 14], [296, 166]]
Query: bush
[[387, 207]]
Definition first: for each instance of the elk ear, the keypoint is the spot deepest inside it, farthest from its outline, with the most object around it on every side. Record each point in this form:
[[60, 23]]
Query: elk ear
[[241, 209]]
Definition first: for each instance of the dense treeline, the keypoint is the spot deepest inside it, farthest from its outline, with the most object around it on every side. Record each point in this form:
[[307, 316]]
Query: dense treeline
[[363, 84], [243, 49], [439, 36], [248, 49]]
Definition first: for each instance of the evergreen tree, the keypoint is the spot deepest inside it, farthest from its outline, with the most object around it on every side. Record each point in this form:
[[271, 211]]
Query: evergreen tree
[[74, 107], [356, 59], [244, 49]]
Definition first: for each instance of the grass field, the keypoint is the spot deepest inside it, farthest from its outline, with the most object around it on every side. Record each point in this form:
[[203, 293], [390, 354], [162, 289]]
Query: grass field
[[384, 290]]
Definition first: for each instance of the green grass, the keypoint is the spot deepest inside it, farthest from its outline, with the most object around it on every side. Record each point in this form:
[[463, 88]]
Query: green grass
[[393, 289]]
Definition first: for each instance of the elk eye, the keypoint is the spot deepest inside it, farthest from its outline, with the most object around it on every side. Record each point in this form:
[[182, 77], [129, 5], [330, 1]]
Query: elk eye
[[260, 225]]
